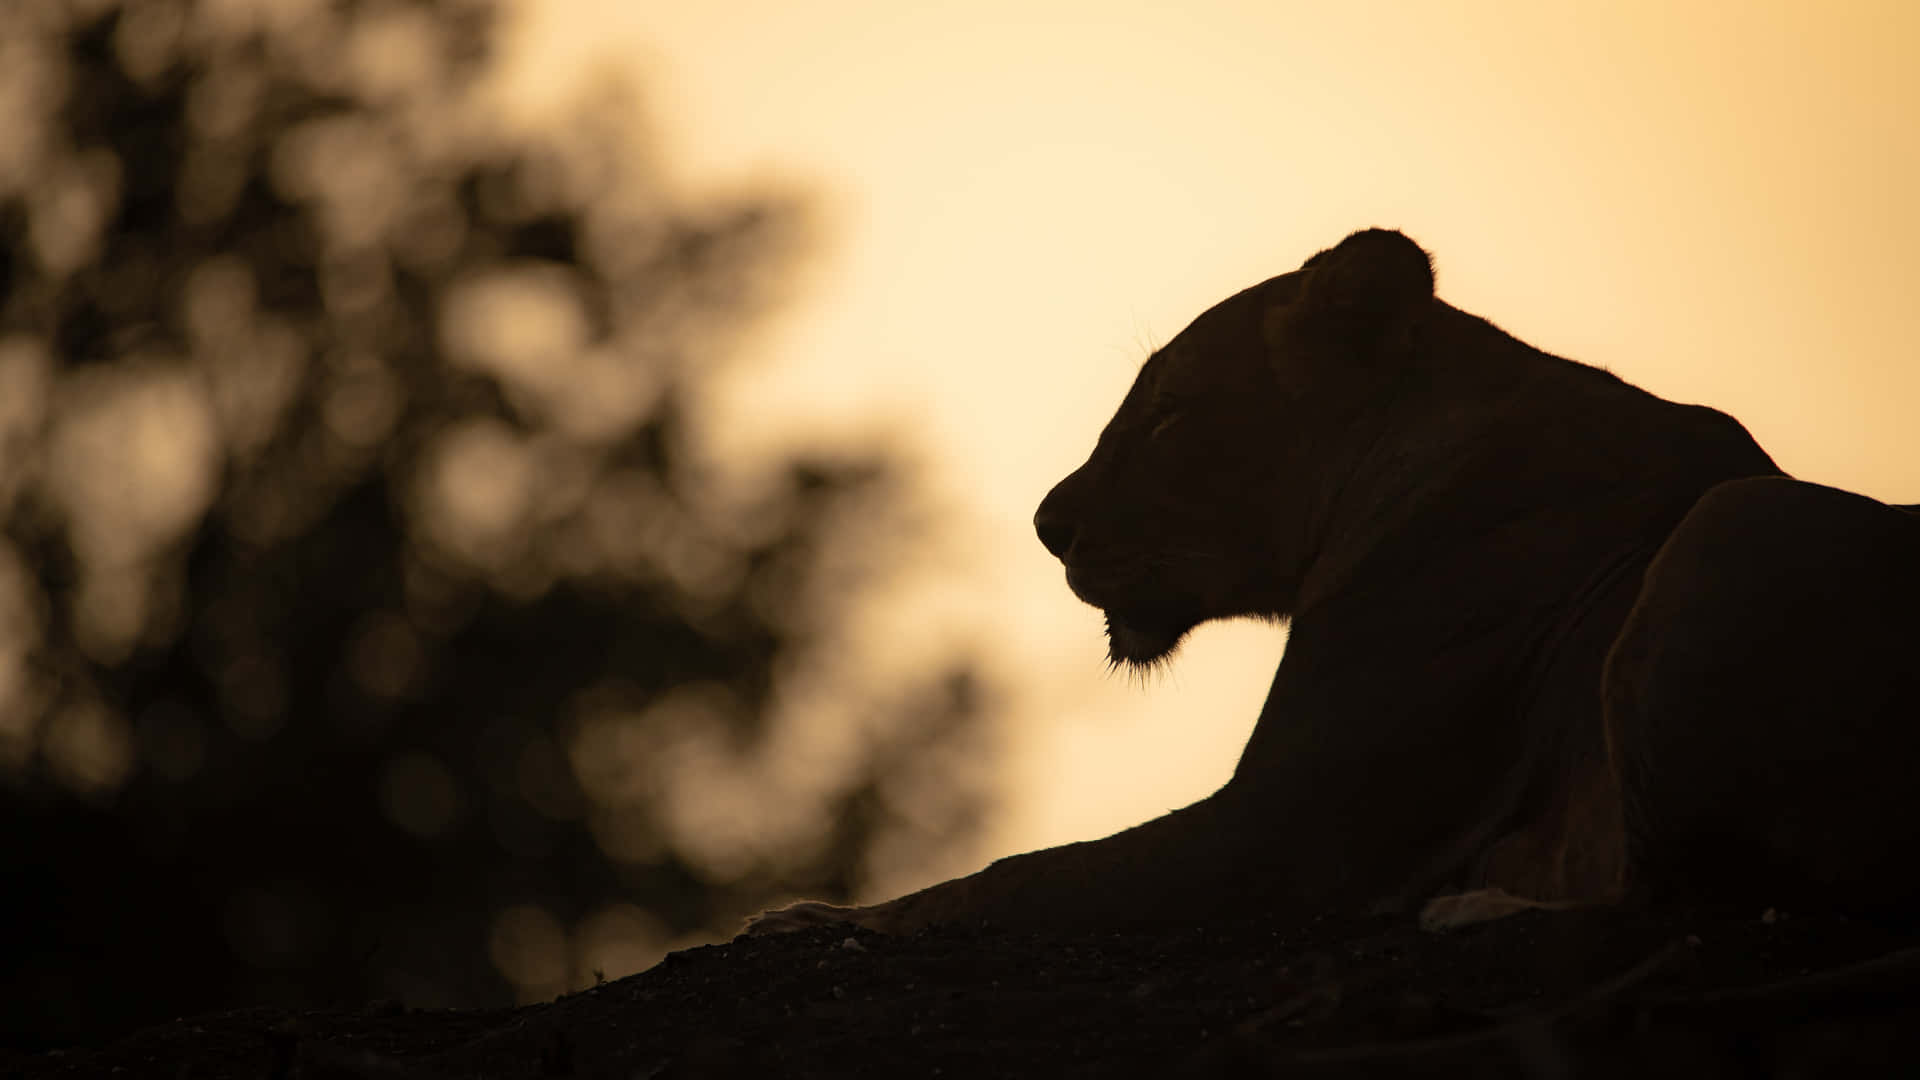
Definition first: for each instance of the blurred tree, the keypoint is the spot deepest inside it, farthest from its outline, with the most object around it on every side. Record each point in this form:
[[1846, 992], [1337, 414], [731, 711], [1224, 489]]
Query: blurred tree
[[370, 623]]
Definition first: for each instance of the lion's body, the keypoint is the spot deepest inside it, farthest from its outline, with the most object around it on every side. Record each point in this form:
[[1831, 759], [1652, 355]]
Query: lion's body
[[1457, 526]]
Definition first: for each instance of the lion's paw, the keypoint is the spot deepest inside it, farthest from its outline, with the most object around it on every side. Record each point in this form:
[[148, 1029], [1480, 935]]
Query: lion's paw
[[800, 915], [1452, 912]]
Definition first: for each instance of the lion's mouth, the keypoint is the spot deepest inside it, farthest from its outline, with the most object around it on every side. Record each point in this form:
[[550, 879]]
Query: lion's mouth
[[1135, 637], [1141, 643]]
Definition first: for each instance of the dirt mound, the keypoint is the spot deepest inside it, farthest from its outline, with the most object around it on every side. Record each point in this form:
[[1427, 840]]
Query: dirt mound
[[1570, 994]]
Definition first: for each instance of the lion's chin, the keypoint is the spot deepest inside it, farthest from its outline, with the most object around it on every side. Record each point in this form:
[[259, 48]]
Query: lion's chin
[[1136, 645]]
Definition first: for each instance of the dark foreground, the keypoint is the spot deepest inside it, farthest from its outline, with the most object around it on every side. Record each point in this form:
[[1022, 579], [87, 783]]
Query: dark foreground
[[1613, 993]]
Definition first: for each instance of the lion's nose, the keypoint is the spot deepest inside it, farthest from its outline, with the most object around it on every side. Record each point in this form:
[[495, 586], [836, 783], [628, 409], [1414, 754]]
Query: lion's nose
[[1054, 527]]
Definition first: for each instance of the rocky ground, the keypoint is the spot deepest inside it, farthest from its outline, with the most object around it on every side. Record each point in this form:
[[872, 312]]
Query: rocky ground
[[1596, 993]]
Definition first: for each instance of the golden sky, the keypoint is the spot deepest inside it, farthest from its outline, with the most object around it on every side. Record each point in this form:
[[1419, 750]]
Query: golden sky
[[1715, 201]]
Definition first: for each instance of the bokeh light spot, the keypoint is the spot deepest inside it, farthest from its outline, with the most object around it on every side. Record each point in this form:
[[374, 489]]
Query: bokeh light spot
[[30, 78], [89, 748], [25, 378], [224, 100], [627, 834], [385, 657], [616, 941], [70, 212], [348, 167], [529, 947], [22, 607], [109, 612], [361, 405], [478, 491], [254, 691], [254, 381], [133, 460], [419, 795], [522, 323], [218, 302], [148, 38], [173, 742], [273, 927], [392, 52], [545, 781]]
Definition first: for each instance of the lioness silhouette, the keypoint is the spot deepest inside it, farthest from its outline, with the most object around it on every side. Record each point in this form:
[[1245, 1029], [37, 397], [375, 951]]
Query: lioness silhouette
[[1554, 640]]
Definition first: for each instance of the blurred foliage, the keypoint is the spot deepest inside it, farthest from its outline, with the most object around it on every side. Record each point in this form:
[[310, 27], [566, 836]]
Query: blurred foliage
[[370, 623]]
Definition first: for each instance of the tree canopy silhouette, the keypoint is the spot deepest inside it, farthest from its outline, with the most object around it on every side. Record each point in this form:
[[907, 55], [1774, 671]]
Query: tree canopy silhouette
[[371, 623]]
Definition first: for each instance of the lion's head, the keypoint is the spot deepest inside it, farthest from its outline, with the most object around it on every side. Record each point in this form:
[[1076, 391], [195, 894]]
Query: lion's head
[[1209, 493]]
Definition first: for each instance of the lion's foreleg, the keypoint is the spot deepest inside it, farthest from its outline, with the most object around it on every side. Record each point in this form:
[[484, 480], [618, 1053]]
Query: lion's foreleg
[[1183, 866]]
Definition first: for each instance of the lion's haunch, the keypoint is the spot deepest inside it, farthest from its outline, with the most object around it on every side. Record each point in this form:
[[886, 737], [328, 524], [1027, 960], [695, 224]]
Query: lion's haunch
[[1764, 698]]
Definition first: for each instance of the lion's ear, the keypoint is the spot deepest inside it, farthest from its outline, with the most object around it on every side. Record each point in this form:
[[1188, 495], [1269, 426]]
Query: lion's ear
[[1373, 274]]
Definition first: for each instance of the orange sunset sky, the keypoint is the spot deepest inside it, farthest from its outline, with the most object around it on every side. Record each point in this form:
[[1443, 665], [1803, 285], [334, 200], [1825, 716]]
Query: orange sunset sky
[[1018, 199]]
